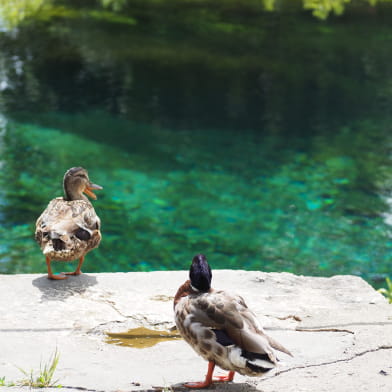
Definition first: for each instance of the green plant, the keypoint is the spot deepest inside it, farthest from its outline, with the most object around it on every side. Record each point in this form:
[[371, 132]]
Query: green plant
[[388, 291], [45, 376], [167, 389], [3, 383]]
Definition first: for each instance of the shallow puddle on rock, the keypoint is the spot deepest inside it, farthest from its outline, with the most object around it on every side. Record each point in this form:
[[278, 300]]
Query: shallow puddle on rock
[[140, 337]]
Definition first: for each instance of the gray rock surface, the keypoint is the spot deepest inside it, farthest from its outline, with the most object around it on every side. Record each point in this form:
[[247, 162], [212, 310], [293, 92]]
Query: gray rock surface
[[339, 330]]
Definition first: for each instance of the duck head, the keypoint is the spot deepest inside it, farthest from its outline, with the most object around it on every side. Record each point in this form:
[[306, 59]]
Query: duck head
[[76, 182], [200, 273]]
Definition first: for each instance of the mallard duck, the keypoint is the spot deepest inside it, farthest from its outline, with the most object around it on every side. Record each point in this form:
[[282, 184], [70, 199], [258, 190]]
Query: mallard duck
[[69, 227], [220, 327]]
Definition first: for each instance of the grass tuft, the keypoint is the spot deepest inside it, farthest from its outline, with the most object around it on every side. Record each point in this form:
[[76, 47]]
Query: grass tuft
[[45, 376], [388, 291], [3, 383]]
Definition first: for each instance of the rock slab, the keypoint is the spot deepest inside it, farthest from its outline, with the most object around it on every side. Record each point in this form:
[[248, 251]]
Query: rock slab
[[339, 330]]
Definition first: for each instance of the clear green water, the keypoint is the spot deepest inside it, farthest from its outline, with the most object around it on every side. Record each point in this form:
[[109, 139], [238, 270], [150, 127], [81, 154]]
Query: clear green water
[[263, 150]]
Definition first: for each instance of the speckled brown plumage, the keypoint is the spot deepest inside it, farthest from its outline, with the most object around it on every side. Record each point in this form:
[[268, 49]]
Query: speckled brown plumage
[[222, 329], [63, 220], [69, 227]]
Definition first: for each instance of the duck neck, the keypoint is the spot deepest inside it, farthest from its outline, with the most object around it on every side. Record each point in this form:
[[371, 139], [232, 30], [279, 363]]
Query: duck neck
[[183, 291], [70, 194]]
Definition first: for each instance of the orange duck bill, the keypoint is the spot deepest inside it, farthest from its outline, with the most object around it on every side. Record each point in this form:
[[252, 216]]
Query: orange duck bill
[[88, 190]]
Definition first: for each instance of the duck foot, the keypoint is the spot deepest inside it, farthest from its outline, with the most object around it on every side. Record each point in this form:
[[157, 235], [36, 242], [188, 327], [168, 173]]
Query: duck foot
[[57, 276], [229, 377], [198, 385], [207, 382], [50, 273], [77, 271]]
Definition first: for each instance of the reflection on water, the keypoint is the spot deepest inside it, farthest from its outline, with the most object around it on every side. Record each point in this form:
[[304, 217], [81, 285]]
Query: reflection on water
[[215, 131], [140, 337], [388, 214], [3, 127]]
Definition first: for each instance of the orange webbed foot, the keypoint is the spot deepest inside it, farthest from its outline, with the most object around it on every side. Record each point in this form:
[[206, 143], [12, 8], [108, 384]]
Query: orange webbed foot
[[75, 273], [78, 268], [57, 277], [228, 377], [207, 382], [202, 384]]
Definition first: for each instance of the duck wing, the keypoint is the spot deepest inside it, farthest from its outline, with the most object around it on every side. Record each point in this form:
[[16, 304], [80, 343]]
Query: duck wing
[[231, 320]]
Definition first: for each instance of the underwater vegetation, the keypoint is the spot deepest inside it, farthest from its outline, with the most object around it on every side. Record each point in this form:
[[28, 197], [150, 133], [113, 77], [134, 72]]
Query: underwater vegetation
[[315, 212]]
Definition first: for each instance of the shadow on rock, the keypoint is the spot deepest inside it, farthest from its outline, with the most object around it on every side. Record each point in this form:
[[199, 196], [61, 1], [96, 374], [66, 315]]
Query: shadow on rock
[[59, 290], [217, 386]]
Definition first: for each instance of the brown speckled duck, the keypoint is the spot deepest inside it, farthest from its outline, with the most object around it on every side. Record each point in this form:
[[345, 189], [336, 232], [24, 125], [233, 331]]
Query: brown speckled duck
[[69, 227], [220, 327]]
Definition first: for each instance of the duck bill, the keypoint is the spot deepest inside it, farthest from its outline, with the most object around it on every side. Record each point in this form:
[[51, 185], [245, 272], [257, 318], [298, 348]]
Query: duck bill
[[89, 188]]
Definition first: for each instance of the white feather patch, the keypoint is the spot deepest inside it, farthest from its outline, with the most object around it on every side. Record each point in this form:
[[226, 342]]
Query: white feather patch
[[236, 358], [262, 363]]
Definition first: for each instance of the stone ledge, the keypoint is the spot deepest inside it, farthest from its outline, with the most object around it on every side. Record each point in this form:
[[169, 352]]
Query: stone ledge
[[339, 330]]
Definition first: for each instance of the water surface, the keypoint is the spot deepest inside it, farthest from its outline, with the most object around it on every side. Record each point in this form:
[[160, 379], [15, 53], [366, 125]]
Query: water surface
[[260, 139]]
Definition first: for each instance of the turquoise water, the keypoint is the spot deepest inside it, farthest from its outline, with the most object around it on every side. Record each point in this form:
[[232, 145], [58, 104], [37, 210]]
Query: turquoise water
[[279, 166]]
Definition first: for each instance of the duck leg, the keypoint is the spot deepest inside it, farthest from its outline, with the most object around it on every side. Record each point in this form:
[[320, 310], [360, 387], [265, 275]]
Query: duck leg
[[50, 273], [229, 377], [77, 271], [207, 381]]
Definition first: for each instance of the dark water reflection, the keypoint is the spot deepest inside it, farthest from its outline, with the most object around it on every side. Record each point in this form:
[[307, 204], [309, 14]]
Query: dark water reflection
[[262, 140]]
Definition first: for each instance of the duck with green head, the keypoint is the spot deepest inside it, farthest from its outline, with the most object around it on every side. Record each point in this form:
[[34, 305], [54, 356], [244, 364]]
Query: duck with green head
[[69, 227], [221, 328]]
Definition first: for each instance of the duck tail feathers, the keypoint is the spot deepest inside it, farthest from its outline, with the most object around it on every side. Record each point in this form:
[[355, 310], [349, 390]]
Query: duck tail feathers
[[260, 366], [259, 363], [278, 346]]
